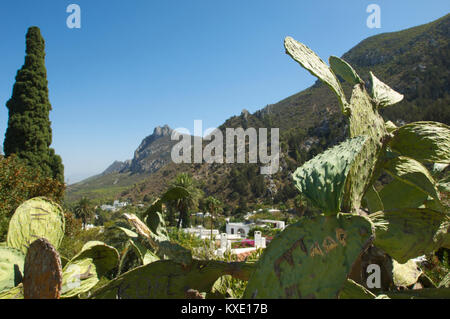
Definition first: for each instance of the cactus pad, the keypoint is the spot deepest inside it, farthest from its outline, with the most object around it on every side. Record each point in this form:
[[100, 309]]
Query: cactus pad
[[423, 141], [36, 218], [322, 179], [413, 173], [408, 233], [79, 276], [104, 256], [364, 121], [373, 200], [84, 271], [353, 290], [167, 279], [316, 66], [398, 195], [42, 271], [345, 70], [13, 293], [310, 259], [160, 242], [383, 94], [11, 267]]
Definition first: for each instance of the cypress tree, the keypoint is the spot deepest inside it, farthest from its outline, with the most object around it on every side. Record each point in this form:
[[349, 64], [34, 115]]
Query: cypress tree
[[29, 133]]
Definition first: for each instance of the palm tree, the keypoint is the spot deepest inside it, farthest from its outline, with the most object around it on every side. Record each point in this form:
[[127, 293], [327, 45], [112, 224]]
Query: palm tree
[[214, 206], [188, 200], [84, 210]]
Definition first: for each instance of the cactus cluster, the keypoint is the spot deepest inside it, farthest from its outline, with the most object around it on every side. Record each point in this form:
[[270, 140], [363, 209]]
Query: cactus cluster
[[30, 265], [402, 220]]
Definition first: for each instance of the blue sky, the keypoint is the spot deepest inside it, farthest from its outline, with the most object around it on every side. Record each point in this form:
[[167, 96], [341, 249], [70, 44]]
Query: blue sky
[[134, 64]]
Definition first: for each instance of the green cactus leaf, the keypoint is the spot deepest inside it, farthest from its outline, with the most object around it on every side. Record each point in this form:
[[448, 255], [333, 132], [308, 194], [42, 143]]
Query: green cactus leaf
[[316, 66], [36, 218], [105, 257], [398, 195], [174, 252], [427, 142], [79, 276], [156, 223], [383, 94], [353, 290], [128, 232], [166, 279], [311, 258], [364, 121], [13, 293], [373, 200], [84, 271], [413, 173], [425, 293], [160, 243], [407, 233], [345, 70], [406, 274], [11, 267], [146, 256], [322, 179]]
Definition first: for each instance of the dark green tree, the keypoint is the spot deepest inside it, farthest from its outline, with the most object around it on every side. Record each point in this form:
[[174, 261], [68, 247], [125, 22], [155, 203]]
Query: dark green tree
[[29, 132]]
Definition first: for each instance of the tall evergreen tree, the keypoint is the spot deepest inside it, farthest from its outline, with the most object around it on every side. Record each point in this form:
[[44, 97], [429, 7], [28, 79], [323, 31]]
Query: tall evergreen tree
[[29, 134]]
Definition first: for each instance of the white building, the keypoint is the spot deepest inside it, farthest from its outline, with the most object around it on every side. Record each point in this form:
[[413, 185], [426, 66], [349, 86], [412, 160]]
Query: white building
[[202, 232], [115, 206], [238, 229]]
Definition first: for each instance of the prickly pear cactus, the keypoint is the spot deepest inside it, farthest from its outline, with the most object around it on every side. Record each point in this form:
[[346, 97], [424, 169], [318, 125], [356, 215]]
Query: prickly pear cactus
[[353, 290], [84, 271], [145, 255], [42, 271], [364, 121], [323, 178], [160, 242], [13, 293], [11, 267], [362, 112], [382, 94], [413, 173], [427, 142], [345, 70], [316, 66], [408, 233], [310, 259], [166, 279], [399, 195], [36, 218]]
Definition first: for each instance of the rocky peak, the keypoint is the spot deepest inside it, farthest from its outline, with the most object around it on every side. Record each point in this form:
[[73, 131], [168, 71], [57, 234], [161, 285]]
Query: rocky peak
[[162, 131]]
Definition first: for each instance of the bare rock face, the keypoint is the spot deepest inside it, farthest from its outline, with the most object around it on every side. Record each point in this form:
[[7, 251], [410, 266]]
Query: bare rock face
[[42, 271]]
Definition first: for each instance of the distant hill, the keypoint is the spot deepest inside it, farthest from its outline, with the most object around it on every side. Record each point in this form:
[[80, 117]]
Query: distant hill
[[414, 62]]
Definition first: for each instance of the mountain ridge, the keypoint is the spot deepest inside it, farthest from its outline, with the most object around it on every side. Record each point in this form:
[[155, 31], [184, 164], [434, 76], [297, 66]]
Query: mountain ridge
[[415, 62]]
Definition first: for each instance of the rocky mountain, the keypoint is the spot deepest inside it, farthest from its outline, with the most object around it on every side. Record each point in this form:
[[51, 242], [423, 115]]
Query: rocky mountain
[[414, 62], [152, 154]]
